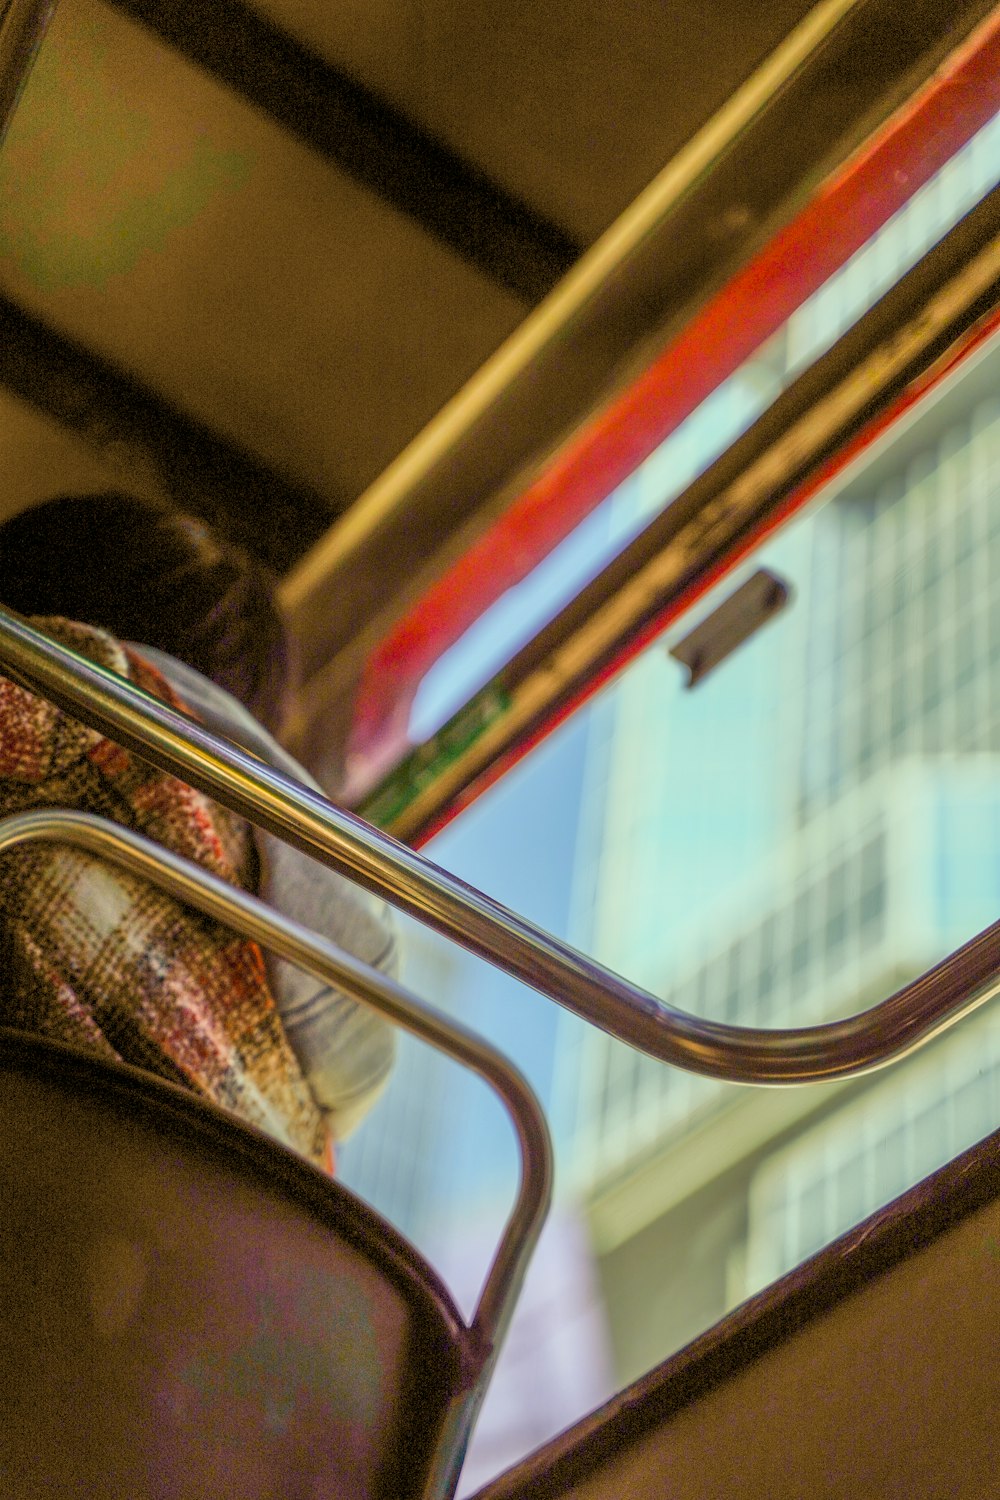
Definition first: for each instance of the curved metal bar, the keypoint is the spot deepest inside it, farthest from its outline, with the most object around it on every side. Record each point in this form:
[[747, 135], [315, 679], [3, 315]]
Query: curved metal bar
[[23, 25], [307, 820], [252, 918]]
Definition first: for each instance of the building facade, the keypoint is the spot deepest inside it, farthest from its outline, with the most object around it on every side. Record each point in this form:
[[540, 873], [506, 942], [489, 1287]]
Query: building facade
[[809, 828]]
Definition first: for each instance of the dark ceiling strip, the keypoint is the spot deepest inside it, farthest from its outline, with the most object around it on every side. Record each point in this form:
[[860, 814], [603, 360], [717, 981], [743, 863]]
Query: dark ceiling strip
[[368, 140], [274, 518]]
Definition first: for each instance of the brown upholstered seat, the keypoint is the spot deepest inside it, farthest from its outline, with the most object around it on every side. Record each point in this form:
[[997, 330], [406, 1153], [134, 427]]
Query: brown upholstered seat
[[190, 1311]]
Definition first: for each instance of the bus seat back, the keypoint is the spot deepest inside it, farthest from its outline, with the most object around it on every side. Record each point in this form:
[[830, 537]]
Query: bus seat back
[[187, 1310]]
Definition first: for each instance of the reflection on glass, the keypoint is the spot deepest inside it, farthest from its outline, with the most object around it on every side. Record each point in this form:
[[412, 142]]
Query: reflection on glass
[[727, 413]]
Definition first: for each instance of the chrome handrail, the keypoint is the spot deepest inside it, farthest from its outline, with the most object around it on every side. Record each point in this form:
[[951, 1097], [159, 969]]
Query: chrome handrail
[[254, 919], [307, 820]]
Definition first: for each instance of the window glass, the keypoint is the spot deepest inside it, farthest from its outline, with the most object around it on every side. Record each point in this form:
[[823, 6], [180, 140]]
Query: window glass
[[727, 413], [811, 826]]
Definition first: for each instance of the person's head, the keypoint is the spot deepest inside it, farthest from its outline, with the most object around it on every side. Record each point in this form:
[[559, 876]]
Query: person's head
[[157, 577]]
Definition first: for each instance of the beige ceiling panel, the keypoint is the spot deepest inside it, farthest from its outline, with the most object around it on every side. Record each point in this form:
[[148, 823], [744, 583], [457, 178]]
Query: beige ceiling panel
[[40, 459], [157, 219], [574, 105]]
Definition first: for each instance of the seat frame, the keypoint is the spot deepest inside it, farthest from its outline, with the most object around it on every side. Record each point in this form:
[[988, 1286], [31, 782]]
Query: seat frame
[[209, 1136]]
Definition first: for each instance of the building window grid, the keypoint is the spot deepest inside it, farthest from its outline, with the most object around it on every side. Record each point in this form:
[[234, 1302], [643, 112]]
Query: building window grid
[[954, 617], [970, 663], [637, 1108], [984, 590], [876, 665], [831, 582], [587, 1123], [984, 479], [937, 1107], [940, 513], [640, 1098], [921, 634], [897, 619], [899, 643], [937, 525], [857, 603]]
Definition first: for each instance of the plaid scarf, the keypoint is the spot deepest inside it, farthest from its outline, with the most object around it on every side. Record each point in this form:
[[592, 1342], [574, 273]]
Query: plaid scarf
[[95, 956]]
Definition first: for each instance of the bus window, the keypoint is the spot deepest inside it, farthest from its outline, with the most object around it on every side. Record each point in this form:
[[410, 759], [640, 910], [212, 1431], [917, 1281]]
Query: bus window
[[790, 840]]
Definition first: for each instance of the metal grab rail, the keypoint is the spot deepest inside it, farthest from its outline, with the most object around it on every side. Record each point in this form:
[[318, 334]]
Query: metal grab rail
[[303, 818], [254, 919]]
